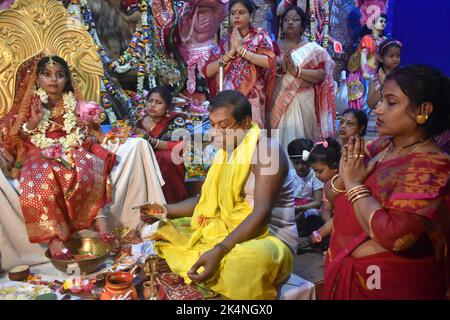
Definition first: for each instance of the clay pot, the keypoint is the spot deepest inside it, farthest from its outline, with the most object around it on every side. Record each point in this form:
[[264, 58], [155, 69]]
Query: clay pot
[[118, 284], [19, 273], [147, 286]]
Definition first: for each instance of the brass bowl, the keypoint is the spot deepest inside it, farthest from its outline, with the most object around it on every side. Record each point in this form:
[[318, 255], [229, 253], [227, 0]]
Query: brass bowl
[[93, 246]]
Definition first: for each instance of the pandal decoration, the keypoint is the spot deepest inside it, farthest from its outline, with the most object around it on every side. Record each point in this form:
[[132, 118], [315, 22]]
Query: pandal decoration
[[319, 33], [355, 90], [144, 54], [108, 88]]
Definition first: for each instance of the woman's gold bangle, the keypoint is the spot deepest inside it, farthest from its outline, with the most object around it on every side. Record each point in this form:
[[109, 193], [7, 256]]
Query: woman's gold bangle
[[223, 60], [356, 188], [360, 196], [243, 52], [333, 187], [355, 191], [231, 57]]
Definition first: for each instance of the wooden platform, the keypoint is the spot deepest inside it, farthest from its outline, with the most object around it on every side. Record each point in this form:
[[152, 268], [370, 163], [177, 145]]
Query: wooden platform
[[309, 266]]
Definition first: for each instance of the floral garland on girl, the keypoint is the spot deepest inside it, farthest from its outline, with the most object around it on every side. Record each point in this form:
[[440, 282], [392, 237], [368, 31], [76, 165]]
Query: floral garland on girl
[[58, 149]]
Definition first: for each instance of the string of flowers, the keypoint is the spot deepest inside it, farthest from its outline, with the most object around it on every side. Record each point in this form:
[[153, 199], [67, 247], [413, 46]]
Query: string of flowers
[[145, 53], [326, 24], [74, 134], [318, 30], [107, 106], [312, 20], [319, 24], [151, 63], [108, 84], [132, 56]]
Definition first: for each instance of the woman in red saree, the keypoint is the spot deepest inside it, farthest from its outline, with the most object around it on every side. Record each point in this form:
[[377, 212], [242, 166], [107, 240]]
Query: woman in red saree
[[163, 129], [303, 99], [390, 228], [61, 169], [249, 61]]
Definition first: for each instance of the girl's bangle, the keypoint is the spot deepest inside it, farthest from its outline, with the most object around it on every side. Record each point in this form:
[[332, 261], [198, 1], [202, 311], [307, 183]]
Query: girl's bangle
[[333, 187]]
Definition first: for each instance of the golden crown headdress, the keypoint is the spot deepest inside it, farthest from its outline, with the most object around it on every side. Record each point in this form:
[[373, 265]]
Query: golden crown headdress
[[31, 28]]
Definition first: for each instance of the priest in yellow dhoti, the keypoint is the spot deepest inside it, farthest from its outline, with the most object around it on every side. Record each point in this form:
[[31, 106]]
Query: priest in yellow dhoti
[[239, 237]]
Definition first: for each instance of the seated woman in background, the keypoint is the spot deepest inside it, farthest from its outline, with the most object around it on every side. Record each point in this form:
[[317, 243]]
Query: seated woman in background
[[353, 123], [163, 130]]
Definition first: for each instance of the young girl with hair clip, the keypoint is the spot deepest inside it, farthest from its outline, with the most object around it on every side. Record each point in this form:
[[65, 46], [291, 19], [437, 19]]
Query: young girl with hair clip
[[389, 59], [324, 160], [307, 187]]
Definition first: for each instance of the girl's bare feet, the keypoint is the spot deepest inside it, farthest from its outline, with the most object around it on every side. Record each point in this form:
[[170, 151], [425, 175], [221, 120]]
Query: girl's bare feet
[[58, 250], [105, 234]]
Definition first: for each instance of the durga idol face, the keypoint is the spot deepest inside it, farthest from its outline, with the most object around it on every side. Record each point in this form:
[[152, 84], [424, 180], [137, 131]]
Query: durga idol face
[[380, 24]]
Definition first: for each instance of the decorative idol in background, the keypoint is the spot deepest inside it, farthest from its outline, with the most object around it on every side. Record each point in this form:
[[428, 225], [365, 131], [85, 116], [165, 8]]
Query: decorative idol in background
[[263, 15], [363, 63], [199, 22], [74, 11]]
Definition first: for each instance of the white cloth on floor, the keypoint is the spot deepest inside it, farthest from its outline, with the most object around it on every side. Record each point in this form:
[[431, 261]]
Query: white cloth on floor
[[297, 288], [136, 179]]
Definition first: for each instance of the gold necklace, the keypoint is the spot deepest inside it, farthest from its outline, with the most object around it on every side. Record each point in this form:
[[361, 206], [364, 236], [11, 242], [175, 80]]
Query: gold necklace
[[385, 152], [409, 145], [419, 143], [57, 110], [244, 38], [152, 123]]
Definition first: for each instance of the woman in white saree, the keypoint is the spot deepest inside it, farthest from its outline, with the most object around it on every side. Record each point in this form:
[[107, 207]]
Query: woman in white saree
[[303, 103]]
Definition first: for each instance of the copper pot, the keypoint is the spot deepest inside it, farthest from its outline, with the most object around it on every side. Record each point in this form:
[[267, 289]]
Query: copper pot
[[119, 284]]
